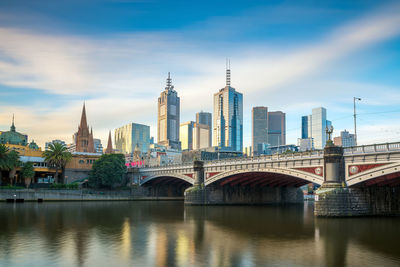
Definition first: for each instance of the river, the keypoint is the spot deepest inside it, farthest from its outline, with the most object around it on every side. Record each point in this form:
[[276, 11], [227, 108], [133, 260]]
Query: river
[[169, 234]]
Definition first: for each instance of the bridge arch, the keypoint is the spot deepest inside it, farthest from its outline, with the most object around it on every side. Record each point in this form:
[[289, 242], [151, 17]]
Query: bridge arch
[[265, 177], [388, 174], [170, 178]]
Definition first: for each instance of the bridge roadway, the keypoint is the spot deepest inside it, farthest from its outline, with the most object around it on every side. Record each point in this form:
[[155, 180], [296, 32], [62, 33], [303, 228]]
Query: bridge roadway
[[368, 165]]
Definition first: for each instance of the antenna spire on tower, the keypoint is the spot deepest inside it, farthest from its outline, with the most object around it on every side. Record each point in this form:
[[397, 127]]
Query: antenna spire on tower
[[169, 80], [228, 72]]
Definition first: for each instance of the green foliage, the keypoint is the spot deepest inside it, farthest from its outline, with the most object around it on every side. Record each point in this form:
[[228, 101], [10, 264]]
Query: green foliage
[[65, 186], [13, 160], [11, 187], [57, 156], [27, 170], [3, 157], [107, 171]]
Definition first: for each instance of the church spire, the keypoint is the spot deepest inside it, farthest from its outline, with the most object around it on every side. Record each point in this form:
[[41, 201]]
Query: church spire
[[83, 123], [12, 128], [109, 148]]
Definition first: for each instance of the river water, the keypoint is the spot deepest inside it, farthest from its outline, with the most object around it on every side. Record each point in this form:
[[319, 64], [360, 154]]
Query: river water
[[170, 234]]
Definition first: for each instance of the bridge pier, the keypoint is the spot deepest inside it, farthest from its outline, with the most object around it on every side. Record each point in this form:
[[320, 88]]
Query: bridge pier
[[334, 198]]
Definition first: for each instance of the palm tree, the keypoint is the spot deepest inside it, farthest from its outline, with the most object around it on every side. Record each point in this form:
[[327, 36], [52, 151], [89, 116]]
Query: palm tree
[[28, 173], [57, 156], [12, 164], [3, 160]]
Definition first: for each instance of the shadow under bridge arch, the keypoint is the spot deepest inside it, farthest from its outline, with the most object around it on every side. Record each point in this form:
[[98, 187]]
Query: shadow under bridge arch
[[264, 178]]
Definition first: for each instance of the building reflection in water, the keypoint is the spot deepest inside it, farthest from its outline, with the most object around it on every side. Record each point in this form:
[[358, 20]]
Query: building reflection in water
[[169, 234]]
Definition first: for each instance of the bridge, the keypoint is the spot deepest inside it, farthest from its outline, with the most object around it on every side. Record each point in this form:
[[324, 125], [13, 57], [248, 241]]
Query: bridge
[[276, 178]]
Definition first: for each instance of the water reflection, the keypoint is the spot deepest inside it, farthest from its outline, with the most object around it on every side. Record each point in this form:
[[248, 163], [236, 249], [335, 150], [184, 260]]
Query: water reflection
[[169, 234]]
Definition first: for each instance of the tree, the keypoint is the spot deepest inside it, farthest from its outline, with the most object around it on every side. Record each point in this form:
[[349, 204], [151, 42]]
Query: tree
[[28, 172], [3, 160], [12, 164], [107, 171], [57, 156]]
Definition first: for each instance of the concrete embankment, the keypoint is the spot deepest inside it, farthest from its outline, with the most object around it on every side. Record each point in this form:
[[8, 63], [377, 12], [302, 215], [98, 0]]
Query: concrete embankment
[[21, 195]]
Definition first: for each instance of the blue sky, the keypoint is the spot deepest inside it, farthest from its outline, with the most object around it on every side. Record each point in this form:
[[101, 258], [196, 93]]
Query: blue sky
[[287, 55]]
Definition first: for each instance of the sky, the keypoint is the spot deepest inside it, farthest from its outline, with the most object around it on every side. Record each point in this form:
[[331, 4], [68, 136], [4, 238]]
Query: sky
[[290, 56]]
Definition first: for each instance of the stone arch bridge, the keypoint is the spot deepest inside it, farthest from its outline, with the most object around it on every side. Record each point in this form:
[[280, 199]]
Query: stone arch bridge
[[276, 178]]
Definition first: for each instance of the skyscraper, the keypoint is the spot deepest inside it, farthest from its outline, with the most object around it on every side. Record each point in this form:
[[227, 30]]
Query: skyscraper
[[131, 135], [228, 117], [304, 127], [83, 138], [186, 135], [201, 136], [259, 130], [205, 118], [318, 127], [276, 128], [168, 117]]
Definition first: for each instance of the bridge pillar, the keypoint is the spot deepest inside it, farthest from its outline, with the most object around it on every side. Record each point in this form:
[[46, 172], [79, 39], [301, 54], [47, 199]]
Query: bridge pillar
[[333, 198], [197, 194], [198, 173]]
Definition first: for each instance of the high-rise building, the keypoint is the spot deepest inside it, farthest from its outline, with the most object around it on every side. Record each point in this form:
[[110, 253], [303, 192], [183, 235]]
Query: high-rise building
[[345, 139], [186, 135], [228, 117], [205, 118], [98, 147], [47, 144], [304, 127], [276, 128], [168, 117], [201, 136], [259, 130], [83, 138], [127, 137], [316, 125]]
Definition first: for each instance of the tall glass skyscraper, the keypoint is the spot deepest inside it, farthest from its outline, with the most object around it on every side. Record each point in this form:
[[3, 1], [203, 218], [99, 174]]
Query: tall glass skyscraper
[[259, 129], [228, 117], [168, 117], [276, 128], [318, 127], [130, 135]]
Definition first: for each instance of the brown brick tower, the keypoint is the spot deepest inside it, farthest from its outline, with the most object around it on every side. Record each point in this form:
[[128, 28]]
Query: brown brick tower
[[84, 138]]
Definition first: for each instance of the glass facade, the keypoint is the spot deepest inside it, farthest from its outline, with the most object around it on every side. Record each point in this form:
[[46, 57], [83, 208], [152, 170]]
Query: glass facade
[[130, 135], [228, 119], [319, 124], [276, 128], [259, 130]]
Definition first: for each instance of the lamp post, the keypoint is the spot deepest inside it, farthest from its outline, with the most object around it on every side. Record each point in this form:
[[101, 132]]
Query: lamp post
[[355, 118]]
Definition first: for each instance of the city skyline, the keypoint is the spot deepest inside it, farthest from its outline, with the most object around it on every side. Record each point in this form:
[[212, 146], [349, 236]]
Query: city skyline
[[283, 63]]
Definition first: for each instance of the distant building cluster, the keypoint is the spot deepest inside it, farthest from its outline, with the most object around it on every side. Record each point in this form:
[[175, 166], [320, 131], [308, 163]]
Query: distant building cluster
[[210, 136]]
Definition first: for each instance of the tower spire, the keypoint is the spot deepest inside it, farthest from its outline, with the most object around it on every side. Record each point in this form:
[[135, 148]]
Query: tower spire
[[12, 125], [228, 72], [83, 123], [169, 82], [109, 148]]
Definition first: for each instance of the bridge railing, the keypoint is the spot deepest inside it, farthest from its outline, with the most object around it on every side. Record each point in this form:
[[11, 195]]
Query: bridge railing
[[375, 148]]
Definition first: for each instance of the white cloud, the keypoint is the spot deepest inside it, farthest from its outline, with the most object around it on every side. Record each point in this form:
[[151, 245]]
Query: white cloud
[[123, 74]]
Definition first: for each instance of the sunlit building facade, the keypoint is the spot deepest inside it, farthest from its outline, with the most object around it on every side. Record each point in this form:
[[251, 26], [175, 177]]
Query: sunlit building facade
[[127, 137], [168, 117]]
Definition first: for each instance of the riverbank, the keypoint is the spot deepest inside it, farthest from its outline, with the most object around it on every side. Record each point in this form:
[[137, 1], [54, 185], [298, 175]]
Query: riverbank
[[40, 195]]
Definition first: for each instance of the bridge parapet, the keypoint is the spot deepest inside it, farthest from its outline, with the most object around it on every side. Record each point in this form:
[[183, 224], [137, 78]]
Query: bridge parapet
[[375, 148]]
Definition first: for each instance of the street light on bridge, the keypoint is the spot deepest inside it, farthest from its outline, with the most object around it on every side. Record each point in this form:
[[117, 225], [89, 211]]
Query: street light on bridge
[[355, 118]]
